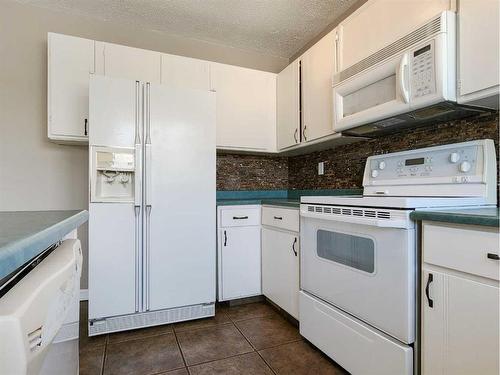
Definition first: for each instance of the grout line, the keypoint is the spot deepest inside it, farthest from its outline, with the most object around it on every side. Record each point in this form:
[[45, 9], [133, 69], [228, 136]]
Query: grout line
[[105, 354], [221, 359], [248, 340], [180, 349], [267, 364]]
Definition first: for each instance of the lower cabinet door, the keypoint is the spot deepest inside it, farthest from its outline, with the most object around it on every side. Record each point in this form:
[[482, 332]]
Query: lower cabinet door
[[280, 269], [240, 262], [461, 328]]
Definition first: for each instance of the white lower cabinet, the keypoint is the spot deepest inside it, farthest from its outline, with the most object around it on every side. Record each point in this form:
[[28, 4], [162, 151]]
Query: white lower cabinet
[[280, 260], [460, 309], [280, 269], [239, 258]]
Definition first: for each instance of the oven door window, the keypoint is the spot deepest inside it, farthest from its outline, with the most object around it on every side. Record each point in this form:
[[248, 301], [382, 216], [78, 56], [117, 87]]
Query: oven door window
[[347, 249]]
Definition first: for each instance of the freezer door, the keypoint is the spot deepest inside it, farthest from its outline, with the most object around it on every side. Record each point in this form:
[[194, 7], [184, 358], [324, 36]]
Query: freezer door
[[113, 257], [179, 197], [114, 110]]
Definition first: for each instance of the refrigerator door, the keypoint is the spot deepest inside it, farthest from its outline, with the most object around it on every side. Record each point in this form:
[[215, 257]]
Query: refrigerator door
[[179, 197], [115, 226], [112, 260]]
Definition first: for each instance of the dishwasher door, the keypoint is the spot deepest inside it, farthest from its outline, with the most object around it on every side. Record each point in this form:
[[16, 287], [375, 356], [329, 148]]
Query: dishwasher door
[[39, 316]]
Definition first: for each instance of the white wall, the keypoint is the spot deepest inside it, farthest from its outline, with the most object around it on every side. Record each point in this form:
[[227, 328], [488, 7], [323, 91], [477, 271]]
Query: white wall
[[36, 174]]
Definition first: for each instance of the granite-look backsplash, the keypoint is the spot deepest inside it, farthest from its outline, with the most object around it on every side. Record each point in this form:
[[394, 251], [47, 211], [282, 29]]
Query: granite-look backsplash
[[251, 172], [344, 165]]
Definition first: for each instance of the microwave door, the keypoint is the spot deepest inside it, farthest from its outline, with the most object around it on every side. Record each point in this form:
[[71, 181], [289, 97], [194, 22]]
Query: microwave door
[[374, 94]]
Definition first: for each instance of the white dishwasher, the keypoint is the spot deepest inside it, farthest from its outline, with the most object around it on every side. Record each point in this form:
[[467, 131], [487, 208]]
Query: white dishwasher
[[39, 316]]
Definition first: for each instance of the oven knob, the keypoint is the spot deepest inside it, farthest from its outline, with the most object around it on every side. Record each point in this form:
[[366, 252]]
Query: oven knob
[[381, 165], [374, 173], [465, 166], [454, 157]]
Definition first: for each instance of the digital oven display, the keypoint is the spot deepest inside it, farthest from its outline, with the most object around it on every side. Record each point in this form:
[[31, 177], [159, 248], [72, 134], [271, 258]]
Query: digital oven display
[[416, 161]]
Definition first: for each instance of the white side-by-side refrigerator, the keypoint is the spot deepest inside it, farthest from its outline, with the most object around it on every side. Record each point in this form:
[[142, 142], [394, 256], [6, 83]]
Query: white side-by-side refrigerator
[[152, 206]]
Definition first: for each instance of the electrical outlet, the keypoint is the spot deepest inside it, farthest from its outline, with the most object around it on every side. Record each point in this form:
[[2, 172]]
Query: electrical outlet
[[321, 168]]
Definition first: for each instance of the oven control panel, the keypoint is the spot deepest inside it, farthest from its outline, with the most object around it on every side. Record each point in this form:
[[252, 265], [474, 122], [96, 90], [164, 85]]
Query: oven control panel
[[461, 163]]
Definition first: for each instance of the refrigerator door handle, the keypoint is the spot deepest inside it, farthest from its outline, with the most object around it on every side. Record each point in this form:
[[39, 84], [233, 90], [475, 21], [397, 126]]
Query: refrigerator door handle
[[148, 181], [147, 109], [137, 257], [147, 258], [137, 112], [138, 176]]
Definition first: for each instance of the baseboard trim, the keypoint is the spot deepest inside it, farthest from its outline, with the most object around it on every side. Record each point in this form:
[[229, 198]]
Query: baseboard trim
[[84, 294]]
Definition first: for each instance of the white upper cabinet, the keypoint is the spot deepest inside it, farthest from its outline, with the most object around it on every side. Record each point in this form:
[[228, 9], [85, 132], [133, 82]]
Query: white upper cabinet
[[287, 106], [478, 51], [246, 107], [114, 60], [70, 61], [185, 72], [318, 64], [380, 22]]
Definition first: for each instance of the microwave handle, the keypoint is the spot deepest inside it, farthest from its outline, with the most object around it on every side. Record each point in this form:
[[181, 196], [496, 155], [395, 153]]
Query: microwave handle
[[401, 77]]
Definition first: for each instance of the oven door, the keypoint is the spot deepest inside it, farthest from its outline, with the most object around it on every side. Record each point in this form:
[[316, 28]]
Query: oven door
[[374, 94], [363, 266]]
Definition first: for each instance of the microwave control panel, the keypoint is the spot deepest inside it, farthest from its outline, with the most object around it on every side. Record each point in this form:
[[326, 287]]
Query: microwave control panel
[[459, 163], [422, 71]]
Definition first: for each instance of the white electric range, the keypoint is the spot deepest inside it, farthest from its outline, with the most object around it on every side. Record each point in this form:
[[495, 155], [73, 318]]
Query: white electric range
[[358, 253]]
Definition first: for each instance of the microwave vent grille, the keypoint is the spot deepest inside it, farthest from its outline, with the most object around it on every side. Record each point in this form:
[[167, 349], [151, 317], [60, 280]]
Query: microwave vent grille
[[429, 29]]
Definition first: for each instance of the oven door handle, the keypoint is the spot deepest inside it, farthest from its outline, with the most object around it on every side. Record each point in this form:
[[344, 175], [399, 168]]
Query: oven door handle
[[381, 223]]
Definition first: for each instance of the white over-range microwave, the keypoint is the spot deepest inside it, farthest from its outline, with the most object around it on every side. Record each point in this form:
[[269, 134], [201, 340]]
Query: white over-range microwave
[[409, 82]]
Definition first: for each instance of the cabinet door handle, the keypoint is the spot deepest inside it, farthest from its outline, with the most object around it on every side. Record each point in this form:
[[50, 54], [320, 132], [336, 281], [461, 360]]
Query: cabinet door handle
[[304, 132], [430, 278], [240, 217], [225, 238], [493, 256], [278, 218], [293, 246], [85, 130], [295, 135]]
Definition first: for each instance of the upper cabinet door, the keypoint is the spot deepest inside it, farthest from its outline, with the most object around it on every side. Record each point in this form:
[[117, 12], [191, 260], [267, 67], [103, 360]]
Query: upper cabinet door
[[114, 60], [381, 22], [287, 106], [184, 72], [478, 49], [246, 107], [70, 61], [318, 65]]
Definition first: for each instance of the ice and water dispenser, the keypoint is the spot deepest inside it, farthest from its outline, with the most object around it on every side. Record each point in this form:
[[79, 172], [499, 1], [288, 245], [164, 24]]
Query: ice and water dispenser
[[113, 174]]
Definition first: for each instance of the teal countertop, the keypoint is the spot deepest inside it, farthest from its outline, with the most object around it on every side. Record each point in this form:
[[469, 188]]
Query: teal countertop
[[26, 234], [473, 216], [284, 198]]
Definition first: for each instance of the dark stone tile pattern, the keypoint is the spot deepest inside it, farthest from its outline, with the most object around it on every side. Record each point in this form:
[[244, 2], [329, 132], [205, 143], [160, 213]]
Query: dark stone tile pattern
[[251, 172], [344, 165], [244, 339]]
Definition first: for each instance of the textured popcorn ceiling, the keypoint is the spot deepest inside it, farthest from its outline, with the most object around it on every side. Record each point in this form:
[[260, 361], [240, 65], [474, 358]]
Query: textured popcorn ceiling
[[275, 27]]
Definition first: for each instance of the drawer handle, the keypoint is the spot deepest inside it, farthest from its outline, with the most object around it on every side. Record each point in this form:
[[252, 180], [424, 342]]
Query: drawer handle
[[240, 217], [278, 218], [293, 246], [493, 256], [225, 238], [429, 299]]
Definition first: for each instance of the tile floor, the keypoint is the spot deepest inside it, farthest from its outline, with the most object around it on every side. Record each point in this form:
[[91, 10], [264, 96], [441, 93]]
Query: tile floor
[[249, 339]]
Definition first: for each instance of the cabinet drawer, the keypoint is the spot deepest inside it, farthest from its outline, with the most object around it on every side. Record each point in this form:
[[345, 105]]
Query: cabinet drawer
[[284, 218], [240, 216], [463, 249]]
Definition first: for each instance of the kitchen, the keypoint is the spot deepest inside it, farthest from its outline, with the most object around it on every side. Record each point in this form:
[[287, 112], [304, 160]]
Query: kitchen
[[334, 149]]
